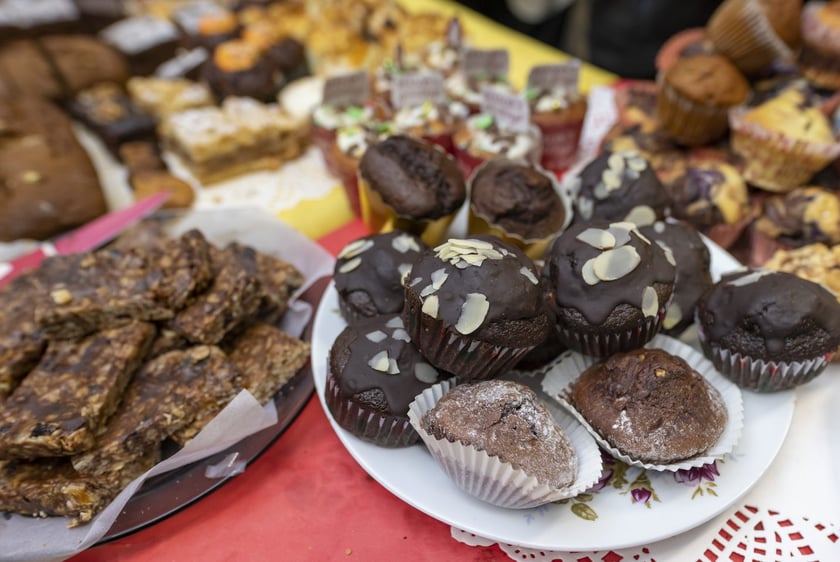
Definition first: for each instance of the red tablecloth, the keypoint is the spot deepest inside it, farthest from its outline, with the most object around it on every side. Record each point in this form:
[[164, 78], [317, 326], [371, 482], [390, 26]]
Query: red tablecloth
[[305, 498]]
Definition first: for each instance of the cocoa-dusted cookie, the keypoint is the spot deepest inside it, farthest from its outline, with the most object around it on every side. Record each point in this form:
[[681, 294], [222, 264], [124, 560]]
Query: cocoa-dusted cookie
[[506, 420], [621, 186], [369, 273], [650, 405], [474, 306], [375, 371], [693, 276], [611, 284]]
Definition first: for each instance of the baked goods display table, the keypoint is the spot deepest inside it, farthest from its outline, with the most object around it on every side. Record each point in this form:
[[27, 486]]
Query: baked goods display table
[[314, 494]]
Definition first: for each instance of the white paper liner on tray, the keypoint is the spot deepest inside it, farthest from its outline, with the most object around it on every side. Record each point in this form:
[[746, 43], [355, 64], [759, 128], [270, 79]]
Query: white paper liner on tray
[[557, 382], [494, 481]]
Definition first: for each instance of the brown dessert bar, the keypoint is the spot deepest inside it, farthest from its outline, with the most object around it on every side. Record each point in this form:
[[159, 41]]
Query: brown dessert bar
[[62, 405], [186, 268], [82, 61], [167, 340], [242, 136], [165, 395], [51, 487], [278, 280], [267, 357], [162, 97], [232, 298], [21, 342]]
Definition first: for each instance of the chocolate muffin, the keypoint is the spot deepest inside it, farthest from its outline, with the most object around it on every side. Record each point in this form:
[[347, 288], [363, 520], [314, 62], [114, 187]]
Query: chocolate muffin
[[517, 202], [610, 284], [474, 306], [369, 272], [768, 330], [621, 186], [690, 254], [410, 184], [506, 420], [237, 68], [651, 406], [374, 374]]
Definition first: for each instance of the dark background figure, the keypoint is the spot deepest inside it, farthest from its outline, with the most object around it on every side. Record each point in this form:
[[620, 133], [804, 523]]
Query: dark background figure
[[622, 36]]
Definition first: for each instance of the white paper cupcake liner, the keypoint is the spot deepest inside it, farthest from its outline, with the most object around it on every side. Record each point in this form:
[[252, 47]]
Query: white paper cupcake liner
[[557, 383], [497, 482]]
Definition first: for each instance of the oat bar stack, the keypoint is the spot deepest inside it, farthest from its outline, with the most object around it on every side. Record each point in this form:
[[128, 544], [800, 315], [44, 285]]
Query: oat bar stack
[[105, 355]]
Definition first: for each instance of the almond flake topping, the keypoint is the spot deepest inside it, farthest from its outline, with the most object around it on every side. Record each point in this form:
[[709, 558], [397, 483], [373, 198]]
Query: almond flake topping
[[395, 322], [615, 264], [380, 362], [529, 275], [597, 238], [376, 336], [650, 302], [424, 372], [673, 316], [641, 215], [669, 255], [350, 265], [401, 335], [404, 243], [355, 248], [473, 312], [588, 273], [430, 306]]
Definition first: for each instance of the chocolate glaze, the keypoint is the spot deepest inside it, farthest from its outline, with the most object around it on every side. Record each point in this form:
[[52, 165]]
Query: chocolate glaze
[[595, 303], [375, 287], [413, 177], [778, 316], [256, 82], [693, 276], [516, 314], [517, 197], [386, 393], [644, 189]]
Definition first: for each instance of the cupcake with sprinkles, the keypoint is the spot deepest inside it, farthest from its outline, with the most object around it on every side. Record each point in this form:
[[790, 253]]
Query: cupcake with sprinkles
[[768, 330], [374, 374], [474, 306]]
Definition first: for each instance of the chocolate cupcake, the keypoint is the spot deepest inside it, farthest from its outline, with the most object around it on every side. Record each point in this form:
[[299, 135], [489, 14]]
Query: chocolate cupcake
[[651, 406], [620, 186], [474, 306], [374, 374], [611, 285], [767, 330], [519, 203], [411, 185], [694, 96], [237, 68], [480, 138], [693, 277], [369, 273]]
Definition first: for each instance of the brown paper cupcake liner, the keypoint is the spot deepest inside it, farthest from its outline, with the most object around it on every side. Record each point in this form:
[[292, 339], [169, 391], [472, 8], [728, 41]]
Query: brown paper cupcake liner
[[742, 32], [467, 358], [774, 161], [606, 344], [497, 482], [367, 424], [760, 375], [688, 122]]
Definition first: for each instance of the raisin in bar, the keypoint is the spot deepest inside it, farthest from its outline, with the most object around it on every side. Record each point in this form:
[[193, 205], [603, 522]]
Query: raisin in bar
[[165, 395], [62, 405], [51, 487], [267, 357]]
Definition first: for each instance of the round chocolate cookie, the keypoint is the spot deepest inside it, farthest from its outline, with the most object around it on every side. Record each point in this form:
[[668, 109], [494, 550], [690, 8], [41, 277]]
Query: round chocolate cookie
[[621, 186], [518, 198], [683, 245], [414, 178], [369, 271], [374, 374], [474, 306], [650, 405], [506, 420], [768, 330], [610, 284]]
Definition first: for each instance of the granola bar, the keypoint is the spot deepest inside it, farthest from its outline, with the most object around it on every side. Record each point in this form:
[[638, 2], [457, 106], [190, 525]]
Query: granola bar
[[51, 487], [62, 405], [267, 357], [232, 299], [278, 280], [164, 396], [21, 342]]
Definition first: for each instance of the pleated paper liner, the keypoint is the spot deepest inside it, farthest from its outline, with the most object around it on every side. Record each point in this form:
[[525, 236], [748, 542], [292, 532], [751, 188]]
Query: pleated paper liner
[[558, 381], [497, 482]]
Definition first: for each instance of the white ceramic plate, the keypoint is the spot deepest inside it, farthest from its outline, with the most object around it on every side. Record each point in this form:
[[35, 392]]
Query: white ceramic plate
[[634, 508]]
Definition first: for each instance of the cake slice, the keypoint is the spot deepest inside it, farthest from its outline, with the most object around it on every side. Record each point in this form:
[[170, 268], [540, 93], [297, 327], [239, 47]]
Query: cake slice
[[165, 395], [267, 357], [62, 405]]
